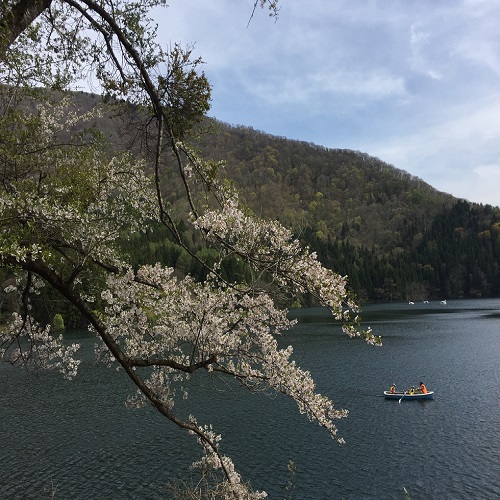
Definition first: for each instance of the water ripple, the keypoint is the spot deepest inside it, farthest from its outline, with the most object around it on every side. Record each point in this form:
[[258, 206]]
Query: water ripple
[[80, 439]]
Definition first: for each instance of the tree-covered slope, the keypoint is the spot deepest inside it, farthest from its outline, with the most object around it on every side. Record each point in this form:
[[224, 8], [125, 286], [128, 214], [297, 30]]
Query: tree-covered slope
[[395, 236], [392, 234], [333, 192]]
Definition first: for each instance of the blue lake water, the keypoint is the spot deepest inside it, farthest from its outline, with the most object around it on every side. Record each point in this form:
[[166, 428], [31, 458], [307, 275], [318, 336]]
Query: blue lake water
[[78, 439]]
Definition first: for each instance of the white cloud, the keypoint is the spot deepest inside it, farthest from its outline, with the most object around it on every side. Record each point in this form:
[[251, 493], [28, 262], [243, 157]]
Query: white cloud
[[477, 188], [414, 83], [446, 153], [420, 41], [324, 85], [489, 172], [480, 52], [375, 84]]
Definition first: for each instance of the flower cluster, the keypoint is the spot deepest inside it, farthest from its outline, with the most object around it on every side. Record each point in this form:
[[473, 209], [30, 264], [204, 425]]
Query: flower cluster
[[179, 326], [213, 460], [25, 342], [269, 247], [85, 209]]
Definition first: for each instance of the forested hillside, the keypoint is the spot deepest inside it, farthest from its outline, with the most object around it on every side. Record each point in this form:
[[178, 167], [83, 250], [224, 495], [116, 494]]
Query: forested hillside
[[335, 193], [392, 234], [395, 237]]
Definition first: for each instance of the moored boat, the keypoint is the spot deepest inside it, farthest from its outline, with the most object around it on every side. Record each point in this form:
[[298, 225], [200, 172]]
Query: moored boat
[[407, 396]]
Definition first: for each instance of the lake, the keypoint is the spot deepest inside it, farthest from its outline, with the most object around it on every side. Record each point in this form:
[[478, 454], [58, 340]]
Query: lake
[[77, 440]]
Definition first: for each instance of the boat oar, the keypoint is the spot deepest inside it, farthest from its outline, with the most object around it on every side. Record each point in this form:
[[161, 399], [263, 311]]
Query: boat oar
[[402, 396]]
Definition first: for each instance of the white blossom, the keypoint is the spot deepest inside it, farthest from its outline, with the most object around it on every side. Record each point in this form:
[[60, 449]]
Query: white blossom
[[27, 343], [61, 219]]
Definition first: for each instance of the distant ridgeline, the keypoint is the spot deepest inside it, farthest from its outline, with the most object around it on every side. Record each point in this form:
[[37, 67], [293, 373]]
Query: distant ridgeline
[[394, 236]]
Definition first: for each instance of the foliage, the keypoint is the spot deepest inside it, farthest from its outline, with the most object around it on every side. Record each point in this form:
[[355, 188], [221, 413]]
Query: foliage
[[69, 201], [395, 236], [408, 242], [58, 323]]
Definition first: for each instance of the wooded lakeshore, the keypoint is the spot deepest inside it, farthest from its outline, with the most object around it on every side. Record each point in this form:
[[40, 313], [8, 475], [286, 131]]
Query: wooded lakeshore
[[177, 244]]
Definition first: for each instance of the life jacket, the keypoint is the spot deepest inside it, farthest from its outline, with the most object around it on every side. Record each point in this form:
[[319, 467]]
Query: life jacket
[[393, 389], [423, 389]]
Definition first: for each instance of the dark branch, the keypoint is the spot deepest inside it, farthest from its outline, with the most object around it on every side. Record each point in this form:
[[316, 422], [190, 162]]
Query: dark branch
[[173, 364]]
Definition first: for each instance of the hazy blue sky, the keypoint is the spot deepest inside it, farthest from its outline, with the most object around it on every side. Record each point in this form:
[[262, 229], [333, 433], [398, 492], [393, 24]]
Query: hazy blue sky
[[414, 82]]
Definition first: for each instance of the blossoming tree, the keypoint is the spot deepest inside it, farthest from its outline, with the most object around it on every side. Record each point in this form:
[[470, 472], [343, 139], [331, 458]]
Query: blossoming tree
[[67, 198]]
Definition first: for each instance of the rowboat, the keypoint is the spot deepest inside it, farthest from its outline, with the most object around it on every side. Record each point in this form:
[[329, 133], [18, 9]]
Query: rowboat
[[406, 396]]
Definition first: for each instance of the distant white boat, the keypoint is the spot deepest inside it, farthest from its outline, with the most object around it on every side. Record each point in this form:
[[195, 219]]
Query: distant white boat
[[426, 301], [411, 302], [443, 302]]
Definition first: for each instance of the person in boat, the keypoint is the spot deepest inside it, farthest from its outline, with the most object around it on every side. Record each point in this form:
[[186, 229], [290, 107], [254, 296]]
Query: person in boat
[[412, 390], [393, 388], [423, 389]]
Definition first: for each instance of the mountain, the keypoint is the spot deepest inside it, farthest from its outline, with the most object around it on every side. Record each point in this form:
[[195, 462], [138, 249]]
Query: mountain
[[335, 193], [392, 234], [395, 236]]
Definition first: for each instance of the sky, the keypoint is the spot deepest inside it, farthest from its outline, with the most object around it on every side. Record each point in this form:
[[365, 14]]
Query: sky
[[415, 83]]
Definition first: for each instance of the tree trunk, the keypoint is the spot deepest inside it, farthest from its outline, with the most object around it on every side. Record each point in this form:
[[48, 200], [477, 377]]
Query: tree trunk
[[14, 19]]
